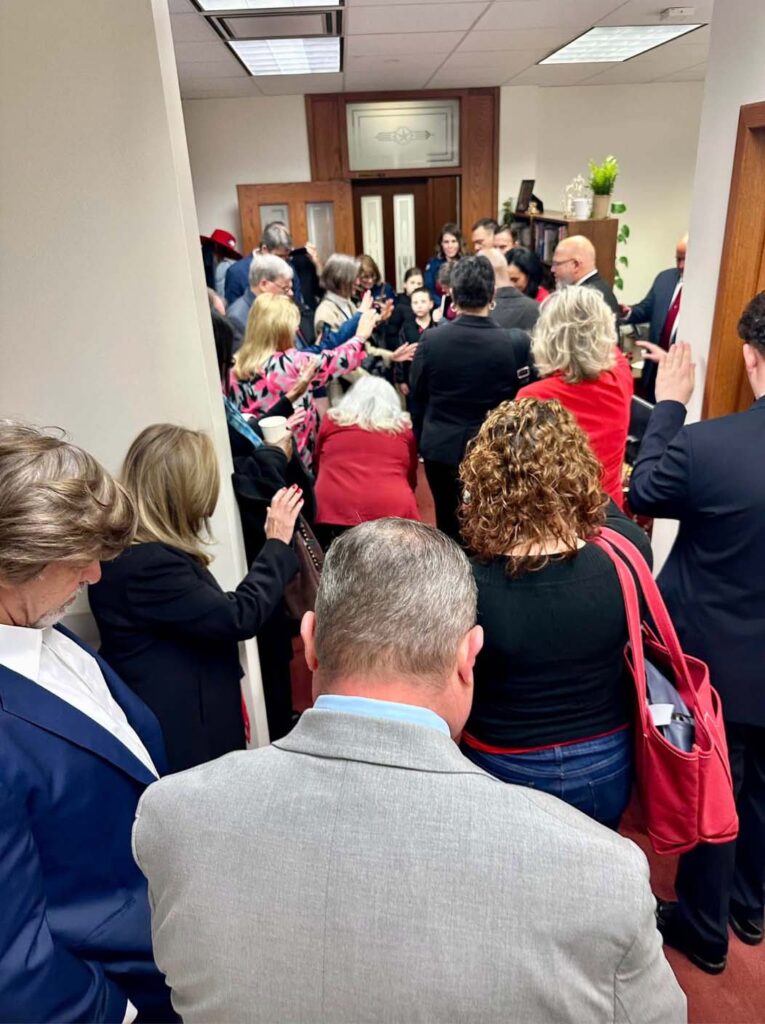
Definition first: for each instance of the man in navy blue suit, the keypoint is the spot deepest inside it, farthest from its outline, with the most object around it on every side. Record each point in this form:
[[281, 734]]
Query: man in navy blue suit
[[709, 476], [660, 309], [77, 750]]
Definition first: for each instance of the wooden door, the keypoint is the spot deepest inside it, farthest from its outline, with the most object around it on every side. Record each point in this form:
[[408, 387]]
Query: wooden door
[[742, 267], [397, 222], [314, 211]]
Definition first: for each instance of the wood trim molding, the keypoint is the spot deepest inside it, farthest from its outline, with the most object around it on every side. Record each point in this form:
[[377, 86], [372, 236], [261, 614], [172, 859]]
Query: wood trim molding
[[742, 266]]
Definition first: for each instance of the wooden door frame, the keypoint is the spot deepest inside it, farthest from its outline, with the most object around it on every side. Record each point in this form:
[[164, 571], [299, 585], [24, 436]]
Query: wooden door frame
[[478, 169], [727, 389], [251, 197]]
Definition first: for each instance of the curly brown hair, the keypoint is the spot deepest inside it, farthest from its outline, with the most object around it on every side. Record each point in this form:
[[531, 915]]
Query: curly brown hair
[[531, 479]]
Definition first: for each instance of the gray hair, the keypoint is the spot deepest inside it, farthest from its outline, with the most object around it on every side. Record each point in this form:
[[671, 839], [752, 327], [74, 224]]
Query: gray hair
[[276, 236], [340, 273], [265, 265], [574, 335], [396, 598], [372, 404], [57, 504]]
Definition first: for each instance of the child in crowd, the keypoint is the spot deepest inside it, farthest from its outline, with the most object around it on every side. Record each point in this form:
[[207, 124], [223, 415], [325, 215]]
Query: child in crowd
[[402, 311], [421, 319]]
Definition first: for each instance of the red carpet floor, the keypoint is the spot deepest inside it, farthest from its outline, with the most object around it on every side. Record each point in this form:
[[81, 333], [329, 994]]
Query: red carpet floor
[[735, 997]]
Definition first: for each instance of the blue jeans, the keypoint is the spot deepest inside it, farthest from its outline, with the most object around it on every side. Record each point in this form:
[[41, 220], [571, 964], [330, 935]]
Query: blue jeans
[[594, 776]]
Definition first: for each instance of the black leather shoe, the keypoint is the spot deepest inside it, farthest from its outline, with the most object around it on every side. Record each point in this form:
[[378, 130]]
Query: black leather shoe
[[676, 936], [746, 930]]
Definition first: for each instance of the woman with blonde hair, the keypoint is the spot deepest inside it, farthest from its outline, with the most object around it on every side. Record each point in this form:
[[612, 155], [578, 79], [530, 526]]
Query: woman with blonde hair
[[268, 364], [366, 458], [574, 350], [166, 625], [552, 705]]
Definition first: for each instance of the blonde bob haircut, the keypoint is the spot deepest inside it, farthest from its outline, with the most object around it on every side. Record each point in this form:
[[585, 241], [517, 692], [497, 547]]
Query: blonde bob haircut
[[171, 473], [372, 404], [531, 480], [575, 335], [57, 504], [271, 328]]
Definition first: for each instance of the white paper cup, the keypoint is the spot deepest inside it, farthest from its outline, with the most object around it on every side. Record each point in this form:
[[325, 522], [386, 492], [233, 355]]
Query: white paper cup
[[581, 209], [274, 428]]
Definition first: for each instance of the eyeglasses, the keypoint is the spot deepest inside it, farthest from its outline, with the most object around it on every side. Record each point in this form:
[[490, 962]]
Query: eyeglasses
[[559, 263]]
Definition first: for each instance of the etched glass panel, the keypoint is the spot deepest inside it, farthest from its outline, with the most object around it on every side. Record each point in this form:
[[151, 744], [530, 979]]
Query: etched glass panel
[[403, 236], [396, 135], [372, 230], [320, 221], [274, 211]]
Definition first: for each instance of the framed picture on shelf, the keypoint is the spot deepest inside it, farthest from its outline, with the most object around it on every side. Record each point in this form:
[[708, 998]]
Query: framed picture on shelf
[[525, 192]]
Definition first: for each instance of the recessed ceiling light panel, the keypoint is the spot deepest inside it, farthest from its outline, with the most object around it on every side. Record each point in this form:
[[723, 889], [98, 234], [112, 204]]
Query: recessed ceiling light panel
[[288, 56], [610, 43], [263, 5]]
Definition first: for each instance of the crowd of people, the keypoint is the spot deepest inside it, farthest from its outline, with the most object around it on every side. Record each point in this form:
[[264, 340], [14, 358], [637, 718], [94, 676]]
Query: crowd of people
[[437, 836]]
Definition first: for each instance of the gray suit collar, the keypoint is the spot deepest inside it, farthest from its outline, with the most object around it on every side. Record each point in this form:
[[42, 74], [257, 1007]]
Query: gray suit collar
[[343, 736]]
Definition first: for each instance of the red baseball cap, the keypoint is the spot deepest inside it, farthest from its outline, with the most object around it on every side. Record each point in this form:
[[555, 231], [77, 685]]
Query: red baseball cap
[[224, 239]]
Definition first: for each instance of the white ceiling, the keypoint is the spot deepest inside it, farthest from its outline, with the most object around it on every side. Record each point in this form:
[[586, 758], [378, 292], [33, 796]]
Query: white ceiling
[[419, 44]]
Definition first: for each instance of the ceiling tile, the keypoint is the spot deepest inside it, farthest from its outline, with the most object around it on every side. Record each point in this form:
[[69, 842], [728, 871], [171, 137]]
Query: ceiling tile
[[628, 73], [511, 62], [463, 78], [420, 3], [411, 18], [209, 69], [537, 42], [396, 44], [648, 12], [288, 85], [220, 88], [395, 67], [216, 49], [191, 28], [695, 74], [181, 6], [558, 74], [579, 15]]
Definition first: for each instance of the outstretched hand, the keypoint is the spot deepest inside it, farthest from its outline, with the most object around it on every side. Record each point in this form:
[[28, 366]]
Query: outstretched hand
[[404, 353], [283, 512], [676, 375]]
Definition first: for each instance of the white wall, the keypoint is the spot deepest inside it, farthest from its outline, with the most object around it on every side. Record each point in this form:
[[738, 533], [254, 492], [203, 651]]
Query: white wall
[[104, 317], [242, 142], [651, 129]]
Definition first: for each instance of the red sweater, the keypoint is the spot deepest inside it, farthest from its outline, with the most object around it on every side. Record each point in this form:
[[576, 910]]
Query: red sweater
[[602, 410], [364, 474]]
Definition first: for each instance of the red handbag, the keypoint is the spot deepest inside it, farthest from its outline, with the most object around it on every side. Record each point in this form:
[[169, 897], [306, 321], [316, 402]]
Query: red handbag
[[687, 797]]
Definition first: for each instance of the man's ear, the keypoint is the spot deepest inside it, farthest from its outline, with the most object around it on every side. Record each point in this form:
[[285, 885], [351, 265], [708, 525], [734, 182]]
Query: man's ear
[[750, 357], [308, 636], [467, 652]]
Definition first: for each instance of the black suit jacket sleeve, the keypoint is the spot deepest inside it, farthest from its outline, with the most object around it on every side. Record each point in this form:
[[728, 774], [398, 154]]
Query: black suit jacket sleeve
[[418, 387], [170, 593], [642, 312], [661, 480]]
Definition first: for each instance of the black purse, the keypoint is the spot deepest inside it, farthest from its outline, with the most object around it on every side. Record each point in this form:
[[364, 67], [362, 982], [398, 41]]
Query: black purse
[[300, 593]]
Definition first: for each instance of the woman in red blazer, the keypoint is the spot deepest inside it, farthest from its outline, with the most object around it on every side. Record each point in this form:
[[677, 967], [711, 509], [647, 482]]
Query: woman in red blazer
[[575, 353], [366, 458]]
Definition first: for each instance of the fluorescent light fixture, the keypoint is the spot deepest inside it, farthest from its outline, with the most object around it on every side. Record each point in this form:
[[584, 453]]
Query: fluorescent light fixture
[[310, 56], [262, 5], [610, 43]]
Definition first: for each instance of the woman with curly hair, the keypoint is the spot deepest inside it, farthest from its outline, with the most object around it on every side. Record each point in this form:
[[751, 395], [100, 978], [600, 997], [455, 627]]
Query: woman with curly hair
[[552, 705], [574, 350]]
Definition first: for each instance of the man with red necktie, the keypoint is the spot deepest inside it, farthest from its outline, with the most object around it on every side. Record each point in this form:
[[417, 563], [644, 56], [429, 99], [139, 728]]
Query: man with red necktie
[[659, 308]]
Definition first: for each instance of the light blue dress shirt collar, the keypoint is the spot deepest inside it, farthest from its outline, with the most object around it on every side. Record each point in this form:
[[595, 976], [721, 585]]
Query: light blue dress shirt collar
[[382, 709]]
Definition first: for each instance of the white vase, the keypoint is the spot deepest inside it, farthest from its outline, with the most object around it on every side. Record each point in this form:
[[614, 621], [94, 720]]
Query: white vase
[[601, 206], [581, 208]]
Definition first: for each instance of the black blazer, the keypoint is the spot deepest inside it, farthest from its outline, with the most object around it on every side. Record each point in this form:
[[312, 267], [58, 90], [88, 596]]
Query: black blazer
[[653, 310], [601, 285], [460, 371], [709, 476], [171, 633]]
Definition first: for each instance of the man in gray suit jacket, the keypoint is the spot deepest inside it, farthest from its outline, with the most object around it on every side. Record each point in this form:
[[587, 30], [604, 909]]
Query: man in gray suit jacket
[[361, 869]]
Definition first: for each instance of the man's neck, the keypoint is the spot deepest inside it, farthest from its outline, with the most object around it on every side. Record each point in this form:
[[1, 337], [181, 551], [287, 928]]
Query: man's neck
[[587, 274]]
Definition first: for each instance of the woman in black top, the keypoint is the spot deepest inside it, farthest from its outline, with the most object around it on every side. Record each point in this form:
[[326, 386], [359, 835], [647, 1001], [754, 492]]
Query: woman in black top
[[552, 703], [167, 627]]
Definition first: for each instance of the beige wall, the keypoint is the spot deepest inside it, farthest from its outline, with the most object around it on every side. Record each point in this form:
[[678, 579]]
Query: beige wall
[[651, 129], [239, 142], [105, 324]]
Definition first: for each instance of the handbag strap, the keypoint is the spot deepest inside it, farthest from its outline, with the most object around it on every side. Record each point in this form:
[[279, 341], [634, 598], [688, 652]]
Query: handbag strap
[[634, 628], [653, 600]]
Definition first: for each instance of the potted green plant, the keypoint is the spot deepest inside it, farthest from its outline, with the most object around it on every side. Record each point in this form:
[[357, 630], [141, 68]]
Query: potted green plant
[[602, 180]]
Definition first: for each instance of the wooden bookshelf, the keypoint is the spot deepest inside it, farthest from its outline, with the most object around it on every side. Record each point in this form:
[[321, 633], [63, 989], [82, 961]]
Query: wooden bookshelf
[[541, 232]]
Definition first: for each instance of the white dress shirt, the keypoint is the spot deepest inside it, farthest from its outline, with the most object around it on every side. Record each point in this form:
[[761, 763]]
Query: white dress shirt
[[62, 667]]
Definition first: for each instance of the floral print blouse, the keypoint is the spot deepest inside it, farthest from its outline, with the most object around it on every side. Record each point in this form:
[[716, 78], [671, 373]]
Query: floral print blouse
[[256, 396]]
